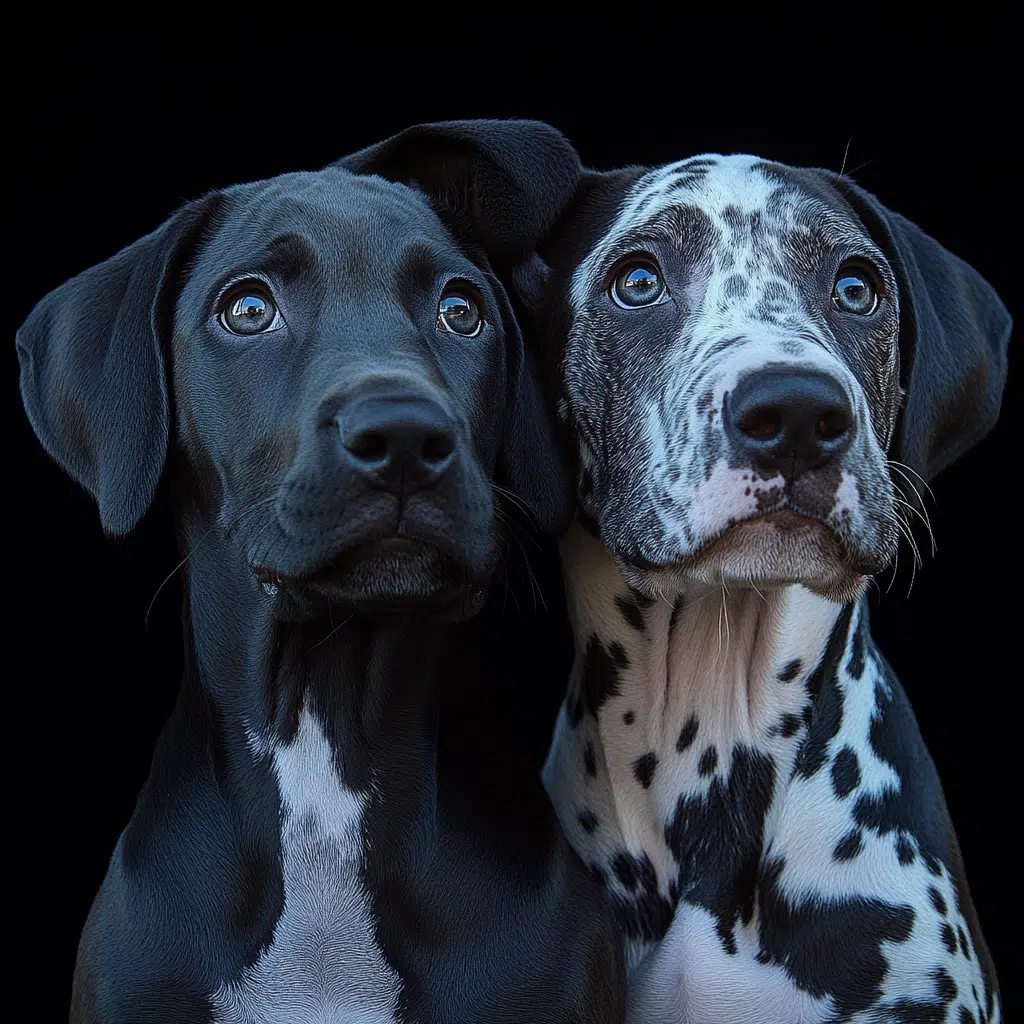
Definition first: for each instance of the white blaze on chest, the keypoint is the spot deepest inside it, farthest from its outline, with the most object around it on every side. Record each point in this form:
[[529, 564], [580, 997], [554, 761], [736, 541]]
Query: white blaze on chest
[[688, 978], [717, 665], [323, 965]]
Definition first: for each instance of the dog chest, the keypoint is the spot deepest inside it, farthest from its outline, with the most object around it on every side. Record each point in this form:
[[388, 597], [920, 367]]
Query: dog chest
[[323, 965]]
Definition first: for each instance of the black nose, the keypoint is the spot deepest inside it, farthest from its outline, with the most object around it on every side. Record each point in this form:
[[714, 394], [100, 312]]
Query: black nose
[[787, 420], [400, 444]]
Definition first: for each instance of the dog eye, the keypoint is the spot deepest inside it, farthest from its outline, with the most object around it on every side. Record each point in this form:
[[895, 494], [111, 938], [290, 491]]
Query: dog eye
[[854, 292], [250, 310], [458, 313], [638, 284]]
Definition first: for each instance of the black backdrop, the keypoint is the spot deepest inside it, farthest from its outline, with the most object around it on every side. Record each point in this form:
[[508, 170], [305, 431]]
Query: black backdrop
[[108, 133]]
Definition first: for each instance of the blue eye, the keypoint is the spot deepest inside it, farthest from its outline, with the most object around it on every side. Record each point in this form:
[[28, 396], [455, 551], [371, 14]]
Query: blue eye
[[854, 292], [459, 314], [637, 284], [249, 310]]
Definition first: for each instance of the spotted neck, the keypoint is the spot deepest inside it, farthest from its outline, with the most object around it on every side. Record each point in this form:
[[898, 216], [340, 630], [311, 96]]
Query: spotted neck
[[677, 712]]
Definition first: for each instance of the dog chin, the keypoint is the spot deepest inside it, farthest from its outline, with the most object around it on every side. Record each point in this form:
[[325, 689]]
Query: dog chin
[[389, 576], [777, 550]]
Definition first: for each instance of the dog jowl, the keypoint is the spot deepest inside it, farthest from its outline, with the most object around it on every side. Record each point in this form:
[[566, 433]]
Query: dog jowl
[[759, 365]]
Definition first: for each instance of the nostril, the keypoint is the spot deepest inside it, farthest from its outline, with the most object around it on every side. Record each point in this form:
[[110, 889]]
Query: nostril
[[369, 445], [437, 447], [761, 424], [832, 425]]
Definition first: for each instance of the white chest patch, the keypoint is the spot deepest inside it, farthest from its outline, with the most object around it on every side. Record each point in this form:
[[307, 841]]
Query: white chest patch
[[323, 965]]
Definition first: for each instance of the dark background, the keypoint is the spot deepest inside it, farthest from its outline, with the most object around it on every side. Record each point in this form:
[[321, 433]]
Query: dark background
[[107, 133]]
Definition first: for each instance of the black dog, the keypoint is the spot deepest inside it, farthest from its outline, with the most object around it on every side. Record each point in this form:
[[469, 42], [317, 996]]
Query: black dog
[[340, 823]]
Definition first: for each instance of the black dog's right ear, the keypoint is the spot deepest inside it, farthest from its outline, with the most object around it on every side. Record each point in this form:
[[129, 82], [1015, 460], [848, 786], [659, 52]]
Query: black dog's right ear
[[93, 374], [501, 183], [954, 335]]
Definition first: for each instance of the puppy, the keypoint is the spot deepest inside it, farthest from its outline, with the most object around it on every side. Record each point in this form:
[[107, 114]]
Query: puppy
[[340, 823], [756, 363]]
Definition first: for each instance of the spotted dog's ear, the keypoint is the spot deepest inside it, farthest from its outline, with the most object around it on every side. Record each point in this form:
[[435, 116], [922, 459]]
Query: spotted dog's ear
[[954, 335], [93, 370], [499, 186]]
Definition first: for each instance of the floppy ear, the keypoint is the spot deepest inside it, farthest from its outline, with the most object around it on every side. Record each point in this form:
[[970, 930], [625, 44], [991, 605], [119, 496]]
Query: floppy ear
[[499, 186], [954, 335], [93, 374]]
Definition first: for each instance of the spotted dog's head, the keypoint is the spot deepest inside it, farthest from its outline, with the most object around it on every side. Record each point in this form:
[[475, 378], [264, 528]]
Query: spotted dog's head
[[748, 354]]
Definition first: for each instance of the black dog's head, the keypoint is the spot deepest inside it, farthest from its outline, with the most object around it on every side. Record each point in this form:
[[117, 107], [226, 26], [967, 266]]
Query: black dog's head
[[747, 352], [331, 362]]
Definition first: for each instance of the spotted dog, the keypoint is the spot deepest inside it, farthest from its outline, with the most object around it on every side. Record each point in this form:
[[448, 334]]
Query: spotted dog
[[757, 363], [324, 372]]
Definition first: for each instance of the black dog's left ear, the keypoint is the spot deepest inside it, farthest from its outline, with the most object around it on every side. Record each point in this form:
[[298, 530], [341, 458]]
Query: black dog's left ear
[[954, 335], [499, 186]]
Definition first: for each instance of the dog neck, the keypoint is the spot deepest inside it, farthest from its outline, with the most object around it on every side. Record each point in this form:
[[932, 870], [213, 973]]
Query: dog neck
[[353, 701], [700, 703]]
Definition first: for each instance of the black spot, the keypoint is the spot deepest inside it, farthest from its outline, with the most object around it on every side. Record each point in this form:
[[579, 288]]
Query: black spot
[[910, 1011], [845, 772], [733, 217], [948, 937], [716, 839], [736, 286], [708, 761], [905, 852], [644, 767], [644, 913], [790, 725], [855, 666], [600, 677], [687, 734], [966, 1017], [823, 686], [790, 671], [945, 985], [937, 901], [851, 929], [624, 866], [965, 946], [849, 846], [631, 612], [588, 820], [598, 874], [629, 718], [589, 764]]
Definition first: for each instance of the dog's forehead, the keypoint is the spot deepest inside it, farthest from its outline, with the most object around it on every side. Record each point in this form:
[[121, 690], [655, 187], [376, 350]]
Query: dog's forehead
[[332, 211], [739, 186]]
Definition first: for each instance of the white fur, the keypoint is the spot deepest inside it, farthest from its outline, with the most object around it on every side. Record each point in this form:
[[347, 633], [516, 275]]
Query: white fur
[[323, 965]]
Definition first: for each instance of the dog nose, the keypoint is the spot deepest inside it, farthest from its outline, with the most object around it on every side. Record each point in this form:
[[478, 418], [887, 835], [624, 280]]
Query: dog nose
[[400, 444], [788, 420]]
